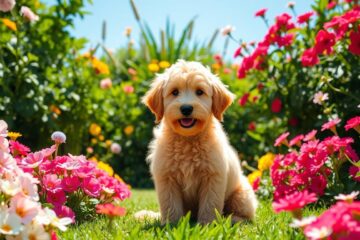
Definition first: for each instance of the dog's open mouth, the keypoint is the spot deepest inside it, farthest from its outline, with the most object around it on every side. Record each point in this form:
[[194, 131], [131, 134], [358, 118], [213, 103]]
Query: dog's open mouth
[[187, 122]]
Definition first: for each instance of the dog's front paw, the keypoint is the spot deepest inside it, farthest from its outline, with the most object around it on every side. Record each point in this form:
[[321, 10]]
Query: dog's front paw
[[205, 220]]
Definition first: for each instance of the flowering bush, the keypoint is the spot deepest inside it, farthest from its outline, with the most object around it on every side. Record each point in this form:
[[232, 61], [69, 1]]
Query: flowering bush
[[71, 185], [21, 213]]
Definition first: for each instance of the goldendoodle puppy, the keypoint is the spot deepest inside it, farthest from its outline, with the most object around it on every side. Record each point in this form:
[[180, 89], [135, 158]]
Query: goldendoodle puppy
[[192, 163]]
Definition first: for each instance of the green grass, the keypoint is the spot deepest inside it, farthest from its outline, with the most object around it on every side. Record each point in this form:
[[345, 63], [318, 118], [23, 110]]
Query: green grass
[[266, 226]]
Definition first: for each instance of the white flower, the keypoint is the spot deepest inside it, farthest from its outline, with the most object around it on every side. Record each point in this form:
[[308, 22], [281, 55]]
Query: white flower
[[317, 233], [347, 197], [58, 137], [28, 187], [227, 30], [320, 97], [4, 145], [7, 5], [7, 162], [10, 224], [296, 223], [115, 148], [10, 187], [35, 231], [25, 208], [3, 127], [59, 223]]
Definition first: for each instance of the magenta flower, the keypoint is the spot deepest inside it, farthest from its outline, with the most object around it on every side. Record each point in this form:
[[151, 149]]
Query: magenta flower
[[261, 12], [17, 148], [294, 201], [331, 125], [304, 18], [51, 183], [353, 171], [282, 139], [64, 211], [353, 123], [57, 198], [237, 52], [70, 184], [91, 187], [243, 100]]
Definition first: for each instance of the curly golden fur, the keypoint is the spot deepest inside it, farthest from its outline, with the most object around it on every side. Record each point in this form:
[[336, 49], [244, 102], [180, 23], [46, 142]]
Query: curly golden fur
[[194, 168]]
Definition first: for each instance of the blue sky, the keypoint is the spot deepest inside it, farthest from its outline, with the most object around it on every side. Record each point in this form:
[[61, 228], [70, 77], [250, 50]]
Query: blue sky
[[211, 14]]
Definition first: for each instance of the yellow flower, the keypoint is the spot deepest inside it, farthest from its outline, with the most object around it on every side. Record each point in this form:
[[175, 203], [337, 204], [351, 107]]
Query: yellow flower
[[10, 24], [266, 161], [94, 141], [94, 129], [14, 135], [99, 66], [253, 176], [108, 143], [106, 167], [215, 66], [93, 159], [153, 67], [129, 130], [164, 64], [101, 137]]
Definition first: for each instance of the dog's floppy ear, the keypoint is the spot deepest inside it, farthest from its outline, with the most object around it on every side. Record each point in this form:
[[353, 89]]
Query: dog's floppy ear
[[153, 99], [221, 99]]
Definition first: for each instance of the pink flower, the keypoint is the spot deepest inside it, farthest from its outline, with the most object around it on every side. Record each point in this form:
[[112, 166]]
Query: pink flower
[[70, 184], [294, 201], [57, 198], [128, 89], [309, 58], [324, 41], [32, 160], [17, 148], [7, 5], [7, 162], [331, 125], [28, 14], [276, 105], [296, 140], [320, 97], [64, 211], [282, 139], [261, 12], [106, 83], [331, 5], [353, 123], [51, 183], [91, 187], [310, 136], [237, 52], [243, 100], [304, 18], [115, 148]]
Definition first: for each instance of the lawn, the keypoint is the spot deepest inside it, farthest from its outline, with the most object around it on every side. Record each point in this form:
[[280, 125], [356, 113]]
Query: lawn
[[267, 225]]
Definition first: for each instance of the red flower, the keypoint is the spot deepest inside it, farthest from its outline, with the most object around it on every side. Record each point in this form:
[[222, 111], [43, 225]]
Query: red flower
[[293, 121], [261, 12], [309, 58], [256, 184], [110, 210], [282, 139], [324, 41], [276, 105], [294, 201], [330, 125], [237, 52], [304, 18], [243, 100], [252, 126], [286, 40], [353, 123], [260, 86], [246, 64], [282, 20], [354, 46], [353, 171], [339, 24]]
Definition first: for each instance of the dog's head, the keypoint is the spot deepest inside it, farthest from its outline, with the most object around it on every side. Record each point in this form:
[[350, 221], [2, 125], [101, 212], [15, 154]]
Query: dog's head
[[186, 96]]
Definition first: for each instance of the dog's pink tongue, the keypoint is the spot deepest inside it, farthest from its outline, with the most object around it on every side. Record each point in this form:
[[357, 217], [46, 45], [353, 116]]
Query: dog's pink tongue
[[187, 121]]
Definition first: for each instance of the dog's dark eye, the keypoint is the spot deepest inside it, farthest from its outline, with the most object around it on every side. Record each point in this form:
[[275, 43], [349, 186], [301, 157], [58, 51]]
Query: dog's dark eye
[[199, 92], [175, 92]]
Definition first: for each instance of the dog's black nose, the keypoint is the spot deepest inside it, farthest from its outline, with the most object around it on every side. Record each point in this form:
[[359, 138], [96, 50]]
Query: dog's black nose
[[186, 109]]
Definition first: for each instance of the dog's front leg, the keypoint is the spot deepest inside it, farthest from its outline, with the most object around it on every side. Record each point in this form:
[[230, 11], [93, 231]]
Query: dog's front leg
[[170, 200], [212, 197]]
